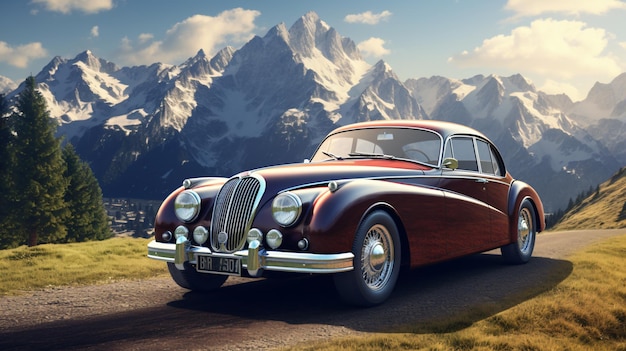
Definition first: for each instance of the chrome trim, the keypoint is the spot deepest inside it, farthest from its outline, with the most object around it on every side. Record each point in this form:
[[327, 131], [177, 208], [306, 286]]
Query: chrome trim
[[278, 261], [234, 210]]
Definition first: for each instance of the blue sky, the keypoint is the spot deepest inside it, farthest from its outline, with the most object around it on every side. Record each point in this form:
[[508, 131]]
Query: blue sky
[[560, 45]]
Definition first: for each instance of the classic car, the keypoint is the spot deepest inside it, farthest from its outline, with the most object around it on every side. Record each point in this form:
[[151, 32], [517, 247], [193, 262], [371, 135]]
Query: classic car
[[375, 197]]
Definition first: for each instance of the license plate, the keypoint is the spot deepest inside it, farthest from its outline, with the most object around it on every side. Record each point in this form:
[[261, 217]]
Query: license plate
[[218, 265]]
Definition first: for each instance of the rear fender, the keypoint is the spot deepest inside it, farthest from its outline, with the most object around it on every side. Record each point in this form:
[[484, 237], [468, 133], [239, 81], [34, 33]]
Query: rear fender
[[517, 193]]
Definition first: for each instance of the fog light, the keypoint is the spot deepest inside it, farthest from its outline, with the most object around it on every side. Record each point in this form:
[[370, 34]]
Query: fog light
[[200, 235], [254, 234], [274, 238], [181, 231], [167, 236], [303, 244]]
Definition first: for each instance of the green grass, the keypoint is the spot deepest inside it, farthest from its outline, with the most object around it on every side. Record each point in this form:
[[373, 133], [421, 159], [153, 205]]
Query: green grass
[[95, 262], [586, 311]]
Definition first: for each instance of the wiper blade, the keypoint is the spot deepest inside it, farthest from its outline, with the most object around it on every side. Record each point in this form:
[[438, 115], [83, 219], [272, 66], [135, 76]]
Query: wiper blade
[[372, 155], [331, 155]]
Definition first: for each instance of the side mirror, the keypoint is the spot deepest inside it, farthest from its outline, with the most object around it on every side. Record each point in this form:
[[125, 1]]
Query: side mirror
[[451, 163]]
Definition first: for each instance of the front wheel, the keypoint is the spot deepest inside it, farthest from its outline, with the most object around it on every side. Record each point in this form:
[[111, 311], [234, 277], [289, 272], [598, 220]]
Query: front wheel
[[377, 260], [520, 251], [192, 280]]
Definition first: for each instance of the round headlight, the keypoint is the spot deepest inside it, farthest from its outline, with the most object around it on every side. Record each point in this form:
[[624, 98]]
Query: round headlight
[[274, 238], [187, 205], [200, 234], [181, 231], [286, 209], [254, 234]]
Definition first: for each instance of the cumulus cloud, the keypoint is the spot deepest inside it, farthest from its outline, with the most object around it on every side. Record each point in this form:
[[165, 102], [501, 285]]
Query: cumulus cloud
[[95, 32], [19, 56], [553, 87], [529, 8], [185, 38], [373, 47], [67, 6], [555, 49], [368, 17]]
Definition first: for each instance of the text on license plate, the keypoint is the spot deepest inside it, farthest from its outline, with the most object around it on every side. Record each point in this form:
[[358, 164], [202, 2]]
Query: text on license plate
[[219, 265]]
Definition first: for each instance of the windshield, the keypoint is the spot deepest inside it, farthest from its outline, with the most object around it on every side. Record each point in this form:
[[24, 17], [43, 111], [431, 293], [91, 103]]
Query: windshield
[[394, 143]]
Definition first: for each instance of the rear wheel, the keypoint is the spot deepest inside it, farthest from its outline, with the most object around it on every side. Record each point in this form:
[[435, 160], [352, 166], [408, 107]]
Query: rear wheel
[[192, 280], [377, 258], [520, 251]]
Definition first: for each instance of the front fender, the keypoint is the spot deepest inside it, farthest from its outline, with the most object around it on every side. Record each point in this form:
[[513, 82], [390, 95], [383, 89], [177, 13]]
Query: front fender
[[335, 216]]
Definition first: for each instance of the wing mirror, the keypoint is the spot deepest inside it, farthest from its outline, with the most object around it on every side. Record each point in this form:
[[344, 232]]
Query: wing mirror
[[451, 163]]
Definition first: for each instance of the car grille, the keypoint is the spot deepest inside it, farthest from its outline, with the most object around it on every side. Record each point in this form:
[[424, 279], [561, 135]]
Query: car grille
[[235, 206]]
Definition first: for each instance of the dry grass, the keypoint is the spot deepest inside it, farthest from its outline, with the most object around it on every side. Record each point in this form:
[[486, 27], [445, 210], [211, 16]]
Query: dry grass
[[602, 210], [27, 268], [587, 311]]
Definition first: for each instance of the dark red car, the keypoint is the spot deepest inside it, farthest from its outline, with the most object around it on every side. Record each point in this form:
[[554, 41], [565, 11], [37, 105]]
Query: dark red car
[[375, 196]]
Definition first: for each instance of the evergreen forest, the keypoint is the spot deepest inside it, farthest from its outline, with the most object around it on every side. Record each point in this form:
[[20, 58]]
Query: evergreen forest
[[47, 193]]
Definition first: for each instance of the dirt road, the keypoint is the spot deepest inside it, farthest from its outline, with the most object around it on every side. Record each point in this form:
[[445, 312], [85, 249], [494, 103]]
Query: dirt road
[[265, 314]]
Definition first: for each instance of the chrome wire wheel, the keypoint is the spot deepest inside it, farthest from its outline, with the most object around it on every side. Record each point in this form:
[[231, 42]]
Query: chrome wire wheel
[[521, 250], [377, 257], [525, 230]]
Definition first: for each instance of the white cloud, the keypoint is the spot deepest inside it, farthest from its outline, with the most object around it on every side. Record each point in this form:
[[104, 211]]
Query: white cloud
[[551, 48], [373, 47], [95, 32], [553, 87], [529, 8], [185, 38], [67, 6], [20, 56], [145, 37], [368, 17]]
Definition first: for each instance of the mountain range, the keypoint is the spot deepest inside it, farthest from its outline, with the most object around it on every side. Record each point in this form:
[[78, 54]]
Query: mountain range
[[145, 128]]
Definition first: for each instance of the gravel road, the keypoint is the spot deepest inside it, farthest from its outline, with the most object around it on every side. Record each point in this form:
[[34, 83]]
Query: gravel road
[[264, 314]]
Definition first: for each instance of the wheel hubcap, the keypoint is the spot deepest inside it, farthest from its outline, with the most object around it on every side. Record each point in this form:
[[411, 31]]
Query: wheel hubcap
[[524, 229], [377, 257]]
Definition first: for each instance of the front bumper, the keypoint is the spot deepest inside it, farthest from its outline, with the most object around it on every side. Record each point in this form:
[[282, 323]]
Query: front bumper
[[255, 259]]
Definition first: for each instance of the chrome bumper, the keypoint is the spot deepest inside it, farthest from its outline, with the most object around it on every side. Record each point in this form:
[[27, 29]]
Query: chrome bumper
[[255, 259]]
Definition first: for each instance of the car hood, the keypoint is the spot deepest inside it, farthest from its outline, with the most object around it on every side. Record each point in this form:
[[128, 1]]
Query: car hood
[[293, 176]]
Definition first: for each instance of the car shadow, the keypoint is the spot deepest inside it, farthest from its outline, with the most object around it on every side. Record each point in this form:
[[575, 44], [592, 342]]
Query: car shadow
[[474, 287], [471, 288]]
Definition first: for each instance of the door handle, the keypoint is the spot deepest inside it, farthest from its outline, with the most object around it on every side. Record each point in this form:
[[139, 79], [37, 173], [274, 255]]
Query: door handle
[[482, 181]]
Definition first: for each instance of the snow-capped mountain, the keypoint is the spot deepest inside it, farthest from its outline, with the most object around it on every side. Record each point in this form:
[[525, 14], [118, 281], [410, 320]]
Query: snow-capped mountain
[[145, 128], [6, 85], [603, 114], [539, 142]]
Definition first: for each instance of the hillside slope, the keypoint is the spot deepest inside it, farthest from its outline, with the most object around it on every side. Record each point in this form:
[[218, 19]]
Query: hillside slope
[[604, 209]]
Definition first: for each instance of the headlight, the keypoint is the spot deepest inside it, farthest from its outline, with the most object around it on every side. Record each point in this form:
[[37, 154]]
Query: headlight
[[187, 205], [200, 234], [286, 209]]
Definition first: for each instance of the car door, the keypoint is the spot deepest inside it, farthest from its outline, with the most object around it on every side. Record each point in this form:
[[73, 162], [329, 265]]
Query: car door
[[467, 208], [496, 188]]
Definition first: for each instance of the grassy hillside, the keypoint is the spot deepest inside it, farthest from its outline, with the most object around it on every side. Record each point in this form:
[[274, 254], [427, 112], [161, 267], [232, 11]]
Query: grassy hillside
[[604, 209]]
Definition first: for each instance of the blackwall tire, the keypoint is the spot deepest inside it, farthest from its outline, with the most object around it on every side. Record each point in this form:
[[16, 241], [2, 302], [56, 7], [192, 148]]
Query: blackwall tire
[[377, 258], [192, 280], [521, 251]]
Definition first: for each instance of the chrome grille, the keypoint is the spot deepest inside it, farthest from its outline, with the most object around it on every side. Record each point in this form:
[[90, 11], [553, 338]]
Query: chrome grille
[[235, 206]]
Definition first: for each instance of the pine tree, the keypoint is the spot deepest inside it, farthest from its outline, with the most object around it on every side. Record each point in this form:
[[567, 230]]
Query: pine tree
[[40, 186], [8, 237], [88, 219]]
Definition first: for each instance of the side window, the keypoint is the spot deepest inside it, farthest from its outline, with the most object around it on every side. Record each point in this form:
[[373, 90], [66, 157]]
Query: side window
[[463, 151], [498, 166], [484, 154]]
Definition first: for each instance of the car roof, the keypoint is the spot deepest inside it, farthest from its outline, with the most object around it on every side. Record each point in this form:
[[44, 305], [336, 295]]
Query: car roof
[[445, 129]]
